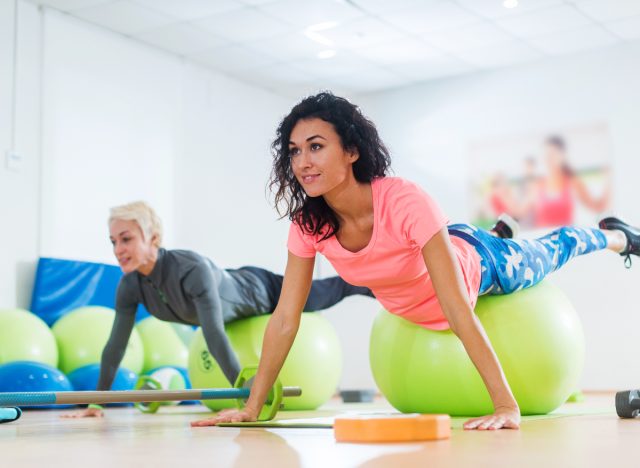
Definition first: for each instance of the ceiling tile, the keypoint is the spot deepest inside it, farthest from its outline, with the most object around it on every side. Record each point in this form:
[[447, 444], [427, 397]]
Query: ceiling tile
[[283, 73], [343, 63], [243, 25], [499, 55], [404, 50], [232, 58], [181, 38], [282, 79], [609, 10], [435, 67], [547, 21], [190, 9], [430, 16], [255, 2], [626, 29], [70, 5], [494, 8], [362, 33], [124, 17], [380, 43], [378, 7], [566, 42], [295, 91], [298, 92], [474, 35], [304, 13], [377, 79], [288, 47]]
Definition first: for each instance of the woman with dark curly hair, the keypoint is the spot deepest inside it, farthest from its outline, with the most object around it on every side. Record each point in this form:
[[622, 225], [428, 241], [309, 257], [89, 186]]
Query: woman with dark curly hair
[[330, 176]]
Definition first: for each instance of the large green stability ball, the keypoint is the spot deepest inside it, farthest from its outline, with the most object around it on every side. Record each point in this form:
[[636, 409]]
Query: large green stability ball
[[314, 362], [26, 337], [162, 345], [82, 334], [536, 334]]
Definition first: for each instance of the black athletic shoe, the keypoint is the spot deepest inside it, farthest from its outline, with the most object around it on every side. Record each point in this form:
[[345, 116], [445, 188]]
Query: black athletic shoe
[[632, 234], [506, 227]]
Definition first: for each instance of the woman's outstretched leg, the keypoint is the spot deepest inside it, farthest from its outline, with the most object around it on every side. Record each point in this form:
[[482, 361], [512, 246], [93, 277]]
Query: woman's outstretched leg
[[509, 265]]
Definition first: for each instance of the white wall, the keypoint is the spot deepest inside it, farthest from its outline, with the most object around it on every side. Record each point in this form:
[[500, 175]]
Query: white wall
[[111, 127], [19, 125], [121, 121], [222, 207], [7, 237], [429, 128]]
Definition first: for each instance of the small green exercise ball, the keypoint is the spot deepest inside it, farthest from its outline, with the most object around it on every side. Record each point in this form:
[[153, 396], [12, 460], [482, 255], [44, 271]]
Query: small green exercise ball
[[82, 334], [162, 345], [26, 337], [536, 334], [314, 362], [163, 378]]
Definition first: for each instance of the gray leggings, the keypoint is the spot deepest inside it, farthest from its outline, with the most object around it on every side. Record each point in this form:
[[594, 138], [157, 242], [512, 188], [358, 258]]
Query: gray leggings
[[324, 293]]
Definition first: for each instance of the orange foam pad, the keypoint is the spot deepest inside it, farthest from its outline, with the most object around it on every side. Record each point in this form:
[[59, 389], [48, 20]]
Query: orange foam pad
[[395, 428]]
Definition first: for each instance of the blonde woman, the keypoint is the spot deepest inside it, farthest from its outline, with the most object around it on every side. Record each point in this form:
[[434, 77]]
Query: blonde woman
[[184, 287]]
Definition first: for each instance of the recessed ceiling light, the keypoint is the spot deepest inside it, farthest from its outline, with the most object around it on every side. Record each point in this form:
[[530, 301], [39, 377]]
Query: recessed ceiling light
[[325, 54], [510, 3]]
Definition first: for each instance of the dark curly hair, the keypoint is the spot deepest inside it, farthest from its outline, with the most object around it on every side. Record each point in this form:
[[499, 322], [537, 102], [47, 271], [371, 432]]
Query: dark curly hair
[[355, 132]]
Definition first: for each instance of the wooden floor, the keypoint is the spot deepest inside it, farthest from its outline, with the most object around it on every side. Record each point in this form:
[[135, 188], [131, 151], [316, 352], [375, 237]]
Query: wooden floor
[[126, 437]]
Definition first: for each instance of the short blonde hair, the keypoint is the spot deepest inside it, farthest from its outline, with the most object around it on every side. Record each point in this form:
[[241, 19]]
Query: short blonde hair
[[141, 213]]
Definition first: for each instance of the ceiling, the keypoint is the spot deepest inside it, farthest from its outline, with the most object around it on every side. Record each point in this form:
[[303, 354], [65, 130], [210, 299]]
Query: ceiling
[[367, 45]]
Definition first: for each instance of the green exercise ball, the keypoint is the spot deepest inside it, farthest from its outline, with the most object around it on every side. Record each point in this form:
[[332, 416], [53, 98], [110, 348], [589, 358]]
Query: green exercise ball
[[26, 337], [536, 334], [204, 371], [162, 345], [184, 332], [82, 334], [314, 362]]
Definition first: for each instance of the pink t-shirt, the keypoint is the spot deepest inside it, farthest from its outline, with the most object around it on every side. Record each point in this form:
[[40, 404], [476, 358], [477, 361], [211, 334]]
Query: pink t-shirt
[[392, 265]]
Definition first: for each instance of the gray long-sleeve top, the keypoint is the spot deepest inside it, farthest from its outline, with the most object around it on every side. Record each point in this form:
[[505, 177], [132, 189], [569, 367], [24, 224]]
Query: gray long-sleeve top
[[185, 287]]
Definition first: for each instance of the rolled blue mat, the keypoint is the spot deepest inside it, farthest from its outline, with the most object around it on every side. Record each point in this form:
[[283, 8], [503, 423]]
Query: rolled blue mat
[[9, 414]]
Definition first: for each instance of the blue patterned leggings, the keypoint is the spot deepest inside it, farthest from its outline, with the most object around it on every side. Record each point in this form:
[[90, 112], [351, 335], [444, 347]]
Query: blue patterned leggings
[[509, 265]]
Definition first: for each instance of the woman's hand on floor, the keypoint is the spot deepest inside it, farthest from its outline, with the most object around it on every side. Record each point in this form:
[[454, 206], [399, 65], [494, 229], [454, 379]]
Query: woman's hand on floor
[[502, 418], [228, 415], [85, 413]]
